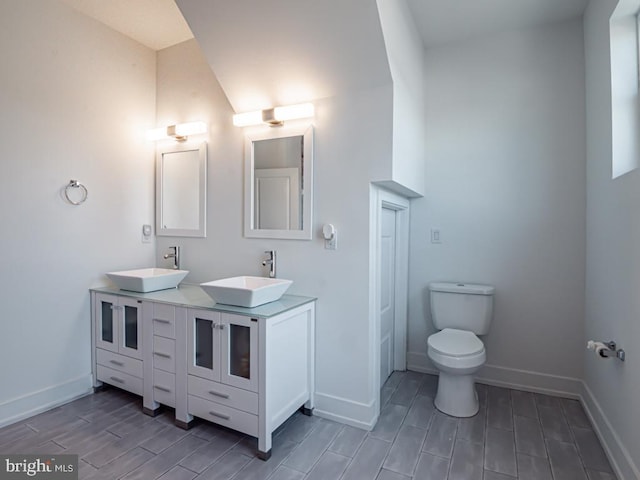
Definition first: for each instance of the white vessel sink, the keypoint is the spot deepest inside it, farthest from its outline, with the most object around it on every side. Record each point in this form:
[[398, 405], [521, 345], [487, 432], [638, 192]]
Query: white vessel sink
[[246, 291], [147, 279]]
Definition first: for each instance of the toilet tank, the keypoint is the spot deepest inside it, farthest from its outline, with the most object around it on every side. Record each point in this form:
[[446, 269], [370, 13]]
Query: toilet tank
[[464, 306]]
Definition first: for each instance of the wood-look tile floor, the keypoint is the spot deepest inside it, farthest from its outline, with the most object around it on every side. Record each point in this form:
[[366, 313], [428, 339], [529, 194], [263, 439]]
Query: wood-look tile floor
[[515, 435]]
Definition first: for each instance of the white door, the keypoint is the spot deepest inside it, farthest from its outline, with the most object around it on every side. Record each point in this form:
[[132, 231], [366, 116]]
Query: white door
[[130, 327], [106, 308], [203, 349], [239, 351], [277, 198], [387, 292]]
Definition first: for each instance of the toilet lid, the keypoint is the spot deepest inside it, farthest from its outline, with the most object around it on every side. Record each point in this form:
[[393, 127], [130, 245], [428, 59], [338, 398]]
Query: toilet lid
[[454, 342]]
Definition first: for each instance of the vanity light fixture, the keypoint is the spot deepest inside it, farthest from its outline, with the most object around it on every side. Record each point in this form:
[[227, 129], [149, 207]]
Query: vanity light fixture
[[274, 117], [179, 132]]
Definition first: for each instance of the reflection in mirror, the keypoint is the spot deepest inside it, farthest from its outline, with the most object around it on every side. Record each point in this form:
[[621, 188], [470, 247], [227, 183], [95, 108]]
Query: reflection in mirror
[[278, 183], [278, 167], [181, 178]]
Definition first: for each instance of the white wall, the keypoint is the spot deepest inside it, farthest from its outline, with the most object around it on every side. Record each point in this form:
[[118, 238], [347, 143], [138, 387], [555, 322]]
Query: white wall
[[505, 185], [76, 98], [405, 54], [612, 258], [349, 151]]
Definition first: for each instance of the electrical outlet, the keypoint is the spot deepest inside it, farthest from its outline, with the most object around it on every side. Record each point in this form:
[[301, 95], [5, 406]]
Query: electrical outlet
[[435, 235], [332, 244]]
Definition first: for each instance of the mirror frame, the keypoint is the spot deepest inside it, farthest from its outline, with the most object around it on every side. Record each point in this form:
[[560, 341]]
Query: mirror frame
[[307, 180], [201, 231]]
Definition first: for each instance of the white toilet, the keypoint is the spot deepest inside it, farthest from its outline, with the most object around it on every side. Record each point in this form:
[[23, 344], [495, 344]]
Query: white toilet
[[460, 311]]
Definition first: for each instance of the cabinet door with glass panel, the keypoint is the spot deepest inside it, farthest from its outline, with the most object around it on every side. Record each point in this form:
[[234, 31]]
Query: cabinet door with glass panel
[[224, 348], [119, 324]]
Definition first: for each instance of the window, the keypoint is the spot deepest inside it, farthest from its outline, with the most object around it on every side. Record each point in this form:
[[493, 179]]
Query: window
[[625, 104]]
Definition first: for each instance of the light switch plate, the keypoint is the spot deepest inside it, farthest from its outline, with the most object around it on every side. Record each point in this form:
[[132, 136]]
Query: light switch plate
[[147, 231]]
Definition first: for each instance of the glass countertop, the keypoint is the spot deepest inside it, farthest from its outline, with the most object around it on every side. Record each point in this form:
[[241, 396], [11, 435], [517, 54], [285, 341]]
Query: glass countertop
[[192, 296]]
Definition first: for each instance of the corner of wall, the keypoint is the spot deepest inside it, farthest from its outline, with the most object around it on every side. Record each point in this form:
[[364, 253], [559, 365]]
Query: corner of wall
[[356, 414], [621, 461]]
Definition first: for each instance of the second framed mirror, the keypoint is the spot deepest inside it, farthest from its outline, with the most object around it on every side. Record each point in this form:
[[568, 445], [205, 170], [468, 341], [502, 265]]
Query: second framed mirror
[[279, 183]]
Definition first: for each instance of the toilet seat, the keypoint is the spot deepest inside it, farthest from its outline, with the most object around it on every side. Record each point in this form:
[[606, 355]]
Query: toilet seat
[[456, 349], [455, 343]]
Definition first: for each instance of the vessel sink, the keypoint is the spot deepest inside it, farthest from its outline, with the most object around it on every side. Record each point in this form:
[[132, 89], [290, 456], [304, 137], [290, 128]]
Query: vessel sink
[[147, 279], [246, 291]]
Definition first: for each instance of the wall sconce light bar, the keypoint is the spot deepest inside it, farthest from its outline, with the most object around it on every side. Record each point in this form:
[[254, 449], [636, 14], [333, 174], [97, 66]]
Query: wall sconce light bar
[[247, 119], [274, 116], [179, 132]]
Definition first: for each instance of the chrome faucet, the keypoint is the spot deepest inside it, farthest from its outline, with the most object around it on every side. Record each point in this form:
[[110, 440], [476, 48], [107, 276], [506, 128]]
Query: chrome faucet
[[175, 255], [271, 261]]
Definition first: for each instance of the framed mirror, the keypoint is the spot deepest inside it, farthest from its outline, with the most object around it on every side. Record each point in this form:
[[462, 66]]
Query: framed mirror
[[181, 190], [278, 200]]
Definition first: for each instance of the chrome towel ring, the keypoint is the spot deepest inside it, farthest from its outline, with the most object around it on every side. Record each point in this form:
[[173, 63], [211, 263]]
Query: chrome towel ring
[[76, 184]]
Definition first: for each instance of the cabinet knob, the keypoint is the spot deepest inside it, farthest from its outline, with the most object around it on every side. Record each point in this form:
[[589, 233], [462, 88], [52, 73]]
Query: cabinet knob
[[221, 326]]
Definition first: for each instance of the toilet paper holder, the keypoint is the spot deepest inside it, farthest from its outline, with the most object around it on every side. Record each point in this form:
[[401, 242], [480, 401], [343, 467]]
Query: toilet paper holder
[[611, 349]]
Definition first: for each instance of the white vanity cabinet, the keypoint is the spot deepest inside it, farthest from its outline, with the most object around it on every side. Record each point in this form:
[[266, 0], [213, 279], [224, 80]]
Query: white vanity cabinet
[[222, 363], [248, 369], [118, 341], [250, 373]]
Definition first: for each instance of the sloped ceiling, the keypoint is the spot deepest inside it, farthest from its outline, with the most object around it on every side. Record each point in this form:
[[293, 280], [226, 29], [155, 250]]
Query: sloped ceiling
[[157, 24], [282, 52]]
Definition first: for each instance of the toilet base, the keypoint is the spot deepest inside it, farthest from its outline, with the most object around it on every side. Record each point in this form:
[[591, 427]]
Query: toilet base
[[457, 395]]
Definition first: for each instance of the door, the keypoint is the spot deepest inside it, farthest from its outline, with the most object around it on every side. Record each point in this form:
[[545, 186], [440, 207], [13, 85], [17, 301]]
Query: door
[[239, 351], [130, 327], [203, 344], [119, 324], [106, 322], [387, 292], [277, 198]]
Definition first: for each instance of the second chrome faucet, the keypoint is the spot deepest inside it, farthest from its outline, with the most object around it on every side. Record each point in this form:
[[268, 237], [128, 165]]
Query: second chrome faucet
[[175, 255], [271, 261]]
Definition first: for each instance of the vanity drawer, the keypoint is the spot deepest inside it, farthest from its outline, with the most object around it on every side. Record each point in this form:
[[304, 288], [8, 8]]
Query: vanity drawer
[[229, 417], [164, 320], [119, 379], [164, 388], [118, 362], [164, 354], [223, 394]]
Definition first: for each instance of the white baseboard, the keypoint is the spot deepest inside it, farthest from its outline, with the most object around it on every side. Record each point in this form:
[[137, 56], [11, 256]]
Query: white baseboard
[[621, 461], [34, 403], [526, 380], [419, 362], [509, 377], [356, 414]]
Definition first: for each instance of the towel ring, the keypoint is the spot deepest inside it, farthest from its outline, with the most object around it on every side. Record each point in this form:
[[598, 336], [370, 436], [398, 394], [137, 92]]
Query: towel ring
[[76, 184]]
